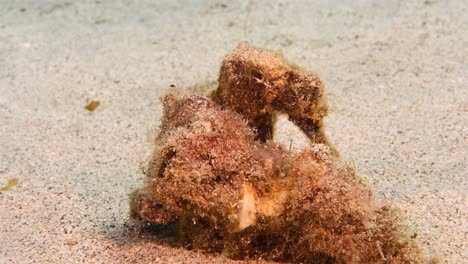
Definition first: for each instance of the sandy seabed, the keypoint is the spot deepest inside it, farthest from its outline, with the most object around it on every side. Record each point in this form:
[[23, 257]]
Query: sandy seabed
[[396, 81]]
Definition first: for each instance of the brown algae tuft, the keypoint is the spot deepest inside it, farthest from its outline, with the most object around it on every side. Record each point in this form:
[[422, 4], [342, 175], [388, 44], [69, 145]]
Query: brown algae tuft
[[217, 177]]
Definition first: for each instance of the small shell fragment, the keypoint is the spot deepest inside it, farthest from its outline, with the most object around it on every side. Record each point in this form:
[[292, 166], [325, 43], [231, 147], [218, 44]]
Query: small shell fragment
[[91, 106]]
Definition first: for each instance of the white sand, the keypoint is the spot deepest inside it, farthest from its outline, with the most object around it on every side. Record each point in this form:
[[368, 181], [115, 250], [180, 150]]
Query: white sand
[[396, 80]]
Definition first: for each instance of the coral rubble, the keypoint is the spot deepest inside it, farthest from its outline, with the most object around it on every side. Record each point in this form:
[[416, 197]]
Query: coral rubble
[[216, 176]]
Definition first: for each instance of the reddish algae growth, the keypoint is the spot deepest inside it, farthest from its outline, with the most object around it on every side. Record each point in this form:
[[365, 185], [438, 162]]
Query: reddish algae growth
[[217, 177]]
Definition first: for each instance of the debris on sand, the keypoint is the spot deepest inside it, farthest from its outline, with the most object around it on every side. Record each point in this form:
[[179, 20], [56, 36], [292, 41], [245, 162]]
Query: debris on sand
[[216, 176]]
